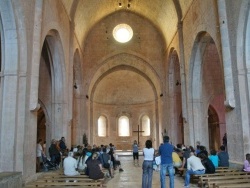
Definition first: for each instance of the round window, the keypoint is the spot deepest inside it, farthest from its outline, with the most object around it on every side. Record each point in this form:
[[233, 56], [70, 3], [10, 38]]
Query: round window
[[122, 33]]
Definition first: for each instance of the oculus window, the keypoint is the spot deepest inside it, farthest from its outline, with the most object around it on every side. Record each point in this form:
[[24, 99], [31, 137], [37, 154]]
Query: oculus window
[[122, 33]]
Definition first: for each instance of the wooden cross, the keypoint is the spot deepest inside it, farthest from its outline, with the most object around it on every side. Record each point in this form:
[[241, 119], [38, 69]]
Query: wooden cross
[[138, 131]]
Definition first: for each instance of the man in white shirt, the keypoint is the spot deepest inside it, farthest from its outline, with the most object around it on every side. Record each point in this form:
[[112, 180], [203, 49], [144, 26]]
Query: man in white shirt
[[194, 166], [70, 165]]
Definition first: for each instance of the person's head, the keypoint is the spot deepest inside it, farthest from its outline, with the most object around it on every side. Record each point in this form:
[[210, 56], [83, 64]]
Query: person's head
[[39, 141], [104, 150], [191, 148], [191, 154], [213, 152], [148, 144], [202, 156], [202, 148], [222, 148], [248, 157], [166, 139], [94, 156], [71, 154], [135, 142], [63, 139]]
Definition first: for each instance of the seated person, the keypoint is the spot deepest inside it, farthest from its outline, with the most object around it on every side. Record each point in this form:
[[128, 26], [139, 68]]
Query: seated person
[[115, 160], [214, 158], [54, 153], [81, 166], [207, 163], [223, 157], [194, 166], [176, 161], [95, 167], [246, 167], [70, 165], [186, 155], [106, 161]]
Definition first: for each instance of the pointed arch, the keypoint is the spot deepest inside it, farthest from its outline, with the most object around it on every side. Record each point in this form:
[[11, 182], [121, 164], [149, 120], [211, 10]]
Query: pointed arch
[[202, 85]]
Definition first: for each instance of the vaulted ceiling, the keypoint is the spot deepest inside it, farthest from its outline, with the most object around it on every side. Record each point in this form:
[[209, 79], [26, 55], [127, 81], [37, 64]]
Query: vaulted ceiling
[[165, 14], [123, 87]]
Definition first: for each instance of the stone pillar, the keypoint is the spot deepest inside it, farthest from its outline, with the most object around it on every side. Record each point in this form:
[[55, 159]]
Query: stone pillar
[[184, 96]]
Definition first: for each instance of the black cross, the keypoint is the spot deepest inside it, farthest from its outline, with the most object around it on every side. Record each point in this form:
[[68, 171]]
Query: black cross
[[138, 133]]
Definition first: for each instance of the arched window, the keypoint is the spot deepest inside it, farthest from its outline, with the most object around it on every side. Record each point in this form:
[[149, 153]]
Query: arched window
[[123, 126], [145, 126], [102, 126]]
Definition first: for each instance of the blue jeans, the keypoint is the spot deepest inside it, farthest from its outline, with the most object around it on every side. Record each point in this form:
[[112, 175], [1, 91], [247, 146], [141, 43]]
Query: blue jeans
[[190, 172], [164, 169], [147, 174]]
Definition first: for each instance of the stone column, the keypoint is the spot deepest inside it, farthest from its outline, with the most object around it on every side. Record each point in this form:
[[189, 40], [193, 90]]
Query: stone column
[[184, 96]]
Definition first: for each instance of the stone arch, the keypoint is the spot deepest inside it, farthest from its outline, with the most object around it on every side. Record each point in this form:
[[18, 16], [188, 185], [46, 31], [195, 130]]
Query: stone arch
[[243, 65], [11, 97], [54, 49], [131, 63], [199, 87], [175, 100], [127, 60]]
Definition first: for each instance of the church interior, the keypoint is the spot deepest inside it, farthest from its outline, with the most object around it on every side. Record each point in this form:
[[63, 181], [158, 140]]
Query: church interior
[[115, 71]]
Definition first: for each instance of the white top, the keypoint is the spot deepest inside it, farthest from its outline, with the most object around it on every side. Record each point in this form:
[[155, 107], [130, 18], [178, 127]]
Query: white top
[[70, 165], [148, 154], [81, 162], [194, 163], [39, 150]]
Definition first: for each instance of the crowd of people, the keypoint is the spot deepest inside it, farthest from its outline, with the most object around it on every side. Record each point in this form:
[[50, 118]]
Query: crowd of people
[[169, 159], [91, 160], [180, 158]]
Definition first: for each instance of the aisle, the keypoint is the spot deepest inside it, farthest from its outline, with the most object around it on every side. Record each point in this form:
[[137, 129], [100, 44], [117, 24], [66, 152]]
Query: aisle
[[132, 176]]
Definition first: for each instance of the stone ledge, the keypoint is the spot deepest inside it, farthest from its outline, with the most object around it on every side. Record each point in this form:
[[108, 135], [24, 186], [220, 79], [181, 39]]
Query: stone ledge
[[11, 179]]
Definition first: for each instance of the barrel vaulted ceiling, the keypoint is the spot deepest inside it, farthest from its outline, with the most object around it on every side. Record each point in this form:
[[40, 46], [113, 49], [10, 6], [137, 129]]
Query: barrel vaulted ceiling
[[163, 13], [87, 14]]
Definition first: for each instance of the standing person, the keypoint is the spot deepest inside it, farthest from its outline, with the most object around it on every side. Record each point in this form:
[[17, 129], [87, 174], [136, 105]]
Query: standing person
[[194, 166], [166, 150], [135, 147], [147, 166], [224, 141], [62, 145], [223, 157], [39, 152]]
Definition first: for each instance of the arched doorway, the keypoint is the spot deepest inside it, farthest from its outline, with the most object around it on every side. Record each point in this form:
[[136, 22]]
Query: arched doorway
[[41, 125], [213, 128]]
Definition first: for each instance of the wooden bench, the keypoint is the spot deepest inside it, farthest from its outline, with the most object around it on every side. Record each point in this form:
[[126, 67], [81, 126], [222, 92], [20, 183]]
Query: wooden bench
[[227, 182], [210, 181], [196, 178], [241, 185], [58, 183], [57, 178], [205, 177]]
